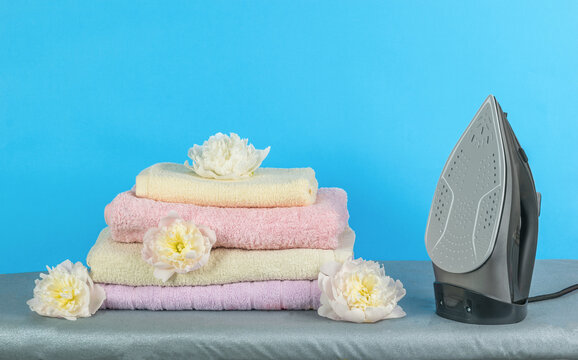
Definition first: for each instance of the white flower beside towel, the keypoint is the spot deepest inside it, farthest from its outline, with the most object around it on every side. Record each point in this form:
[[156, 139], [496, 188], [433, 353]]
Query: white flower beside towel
[[177, 246], [226, 157], [359, 291], [67, 291]]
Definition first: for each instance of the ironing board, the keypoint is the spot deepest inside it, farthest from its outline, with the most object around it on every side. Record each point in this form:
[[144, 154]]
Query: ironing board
[[549, 331]]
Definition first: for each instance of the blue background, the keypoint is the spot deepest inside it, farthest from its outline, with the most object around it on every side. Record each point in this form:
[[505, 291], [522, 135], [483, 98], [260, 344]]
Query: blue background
[[372, 95]]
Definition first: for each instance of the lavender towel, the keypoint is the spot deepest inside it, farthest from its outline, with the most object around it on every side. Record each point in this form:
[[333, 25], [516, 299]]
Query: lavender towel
[[258, 295]]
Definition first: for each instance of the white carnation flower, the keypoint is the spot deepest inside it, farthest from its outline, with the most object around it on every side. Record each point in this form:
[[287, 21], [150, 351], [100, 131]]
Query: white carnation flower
[[67, 291], [177, 246], [359, 291], [226, 157]]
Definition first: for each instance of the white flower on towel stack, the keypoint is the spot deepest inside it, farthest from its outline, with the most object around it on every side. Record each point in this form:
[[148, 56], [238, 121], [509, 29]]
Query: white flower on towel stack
[[67, 291], [226, 157], [359, 291], [177, 246]]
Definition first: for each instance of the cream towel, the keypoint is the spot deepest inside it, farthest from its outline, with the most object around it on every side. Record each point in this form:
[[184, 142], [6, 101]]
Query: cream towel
[[118, 263], [268, 187]]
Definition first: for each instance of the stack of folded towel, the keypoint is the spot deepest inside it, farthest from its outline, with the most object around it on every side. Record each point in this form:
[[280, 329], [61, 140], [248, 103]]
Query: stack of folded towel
[[273, 230]]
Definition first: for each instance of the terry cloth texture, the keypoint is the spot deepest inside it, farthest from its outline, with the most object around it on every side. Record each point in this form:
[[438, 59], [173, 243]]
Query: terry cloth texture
[[316, 227], [268, 187], [258, 295], [118, 263]]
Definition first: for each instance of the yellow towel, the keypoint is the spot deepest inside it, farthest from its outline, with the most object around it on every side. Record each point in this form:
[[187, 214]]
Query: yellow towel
[[121, 263], [268, 187]]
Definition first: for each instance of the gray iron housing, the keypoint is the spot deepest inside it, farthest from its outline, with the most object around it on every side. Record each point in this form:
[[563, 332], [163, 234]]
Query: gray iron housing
[[483, 224]]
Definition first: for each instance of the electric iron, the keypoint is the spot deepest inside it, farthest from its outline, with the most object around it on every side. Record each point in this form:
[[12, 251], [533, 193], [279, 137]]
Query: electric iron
[[482, 228]]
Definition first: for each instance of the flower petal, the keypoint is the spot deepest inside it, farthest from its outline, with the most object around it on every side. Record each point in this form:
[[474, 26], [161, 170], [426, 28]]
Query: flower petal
[[354, 315], [373, 314], [340, 306], [191, 255], [163, 274], [330, 268], [97, 297], [327, 312], [209, 233], [396, 313], [168, 220]]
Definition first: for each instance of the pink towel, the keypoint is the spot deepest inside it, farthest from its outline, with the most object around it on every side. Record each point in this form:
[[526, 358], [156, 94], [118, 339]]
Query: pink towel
[[259, 295], [316, 226]]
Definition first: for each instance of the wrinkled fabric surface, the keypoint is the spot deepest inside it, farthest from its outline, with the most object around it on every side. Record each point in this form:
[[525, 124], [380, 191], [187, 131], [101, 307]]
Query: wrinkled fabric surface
[[549, 332]]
